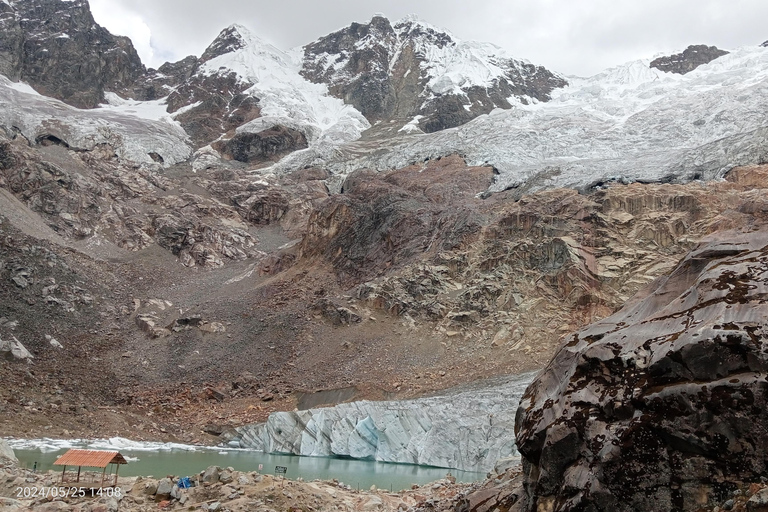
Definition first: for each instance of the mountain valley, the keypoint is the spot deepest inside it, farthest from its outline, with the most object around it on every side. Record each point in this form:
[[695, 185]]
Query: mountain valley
[[387, 213]]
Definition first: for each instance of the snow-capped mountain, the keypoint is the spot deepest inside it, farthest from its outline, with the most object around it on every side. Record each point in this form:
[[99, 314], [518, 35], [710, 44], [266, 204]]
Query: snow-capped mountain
[[411, 68], [383, 95], [268, 80]]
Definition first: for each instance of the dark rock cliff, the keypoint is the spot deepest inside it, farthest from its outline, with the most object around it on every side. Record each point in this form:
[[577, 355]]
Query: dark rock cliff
[[58, 48], [691, 58]]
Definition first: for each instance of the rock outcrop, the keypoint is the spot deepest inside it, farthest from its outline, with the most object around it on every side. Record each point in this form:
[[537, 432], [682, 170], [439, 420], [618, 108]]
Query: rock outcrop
[[691, 58], [661, 406], [266, 145], [58, 48], [467, 430]]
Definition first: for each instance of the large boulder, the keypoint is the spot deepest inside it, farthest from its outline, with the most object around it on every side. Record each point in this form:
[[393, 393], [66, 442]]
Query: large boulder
[[662, 406]]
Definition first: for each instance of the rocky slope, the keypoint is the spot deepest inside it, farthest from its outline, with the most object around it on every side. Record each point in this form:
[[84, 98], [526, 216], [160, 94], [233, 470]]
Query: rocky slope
[[659, 406]]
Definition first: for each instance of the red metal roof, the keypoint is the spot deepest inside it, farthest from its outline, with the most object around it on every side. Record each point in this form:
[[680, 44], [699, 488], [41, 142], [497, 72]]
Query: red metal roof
[[90, 458]]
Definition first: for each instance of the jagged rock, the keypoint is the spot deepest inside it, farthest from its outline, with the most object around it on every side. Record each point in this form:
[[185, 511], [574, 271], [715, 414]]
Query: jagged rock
[[758, 502], [164, 489], [385, 71], [45, 38], [468, 430], [376, 210], [691, 58], [156, 84], [338, 315], [661, 405]]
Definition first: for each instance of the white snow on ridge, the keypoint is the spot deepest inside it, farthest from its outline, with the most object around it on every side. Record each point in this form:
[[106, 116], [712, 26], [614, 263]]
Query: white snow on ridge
[[283, 92]]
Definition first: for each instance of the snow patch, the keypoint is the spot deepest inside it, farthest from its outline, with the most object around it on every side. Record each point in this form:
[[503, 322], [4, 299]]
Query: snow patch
[[412, 125]]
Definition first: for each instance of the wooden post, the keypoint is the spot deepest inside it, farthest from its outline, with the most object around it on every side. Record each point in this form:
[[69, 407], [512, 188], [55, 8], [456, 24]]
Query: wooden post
[[62, 473], [117, 468], [78, 472], [103, 473]]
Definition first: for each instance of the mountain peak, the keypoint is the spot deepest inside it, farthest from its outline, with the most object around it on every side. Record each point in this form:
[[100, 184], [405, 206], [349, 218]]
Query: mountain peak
[[234, 37]]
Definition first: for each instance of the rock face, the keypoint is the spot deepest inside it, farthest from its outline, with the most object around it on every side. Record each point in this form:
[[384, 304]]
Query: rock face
[[45, 38], [467, 430], [661, 406], [215, 102], [691, 58], [159, 83], [266, 145], [414, 69]]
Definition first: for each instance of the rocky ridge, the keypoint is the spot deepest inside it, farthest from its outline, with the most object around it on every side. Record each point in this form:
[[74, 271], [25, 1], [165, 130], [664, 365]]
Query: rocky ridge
[[411, 70], [691, 58]]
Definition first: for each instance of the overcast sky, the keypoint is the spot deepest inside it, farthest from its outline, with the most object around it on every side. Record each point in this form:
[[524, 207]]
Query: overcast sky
[[575, 37]]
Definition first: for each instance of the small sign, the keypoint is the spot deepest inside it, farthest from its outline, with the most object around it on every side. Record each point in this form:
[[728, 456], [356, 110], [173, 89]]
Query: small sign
[[281, 470], [261, 466]]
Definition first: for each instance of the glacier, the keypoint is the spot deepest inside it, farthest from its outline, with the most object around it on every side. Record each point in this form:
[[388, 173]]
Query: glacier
[[468, 429], [629, 123], [131, 134]]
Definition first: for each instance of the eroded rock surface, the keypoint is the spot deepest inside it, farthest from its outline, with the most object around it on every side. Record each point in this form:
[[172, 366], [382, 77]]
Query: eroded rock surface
[[661, 406]]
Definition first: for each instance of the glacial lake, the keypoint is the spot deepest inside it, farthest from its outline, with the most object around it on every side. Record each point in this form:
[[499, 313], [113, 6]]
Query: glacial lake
[[162, 459]]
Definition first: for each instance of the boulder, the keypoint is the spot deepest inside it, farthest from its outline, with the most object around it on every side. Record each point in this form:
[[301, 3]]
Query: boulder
[[13, 350], [146, 486], [663, 405], [211, 475], [758, 502], [6, 452], [164, 489], [225, 477]]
